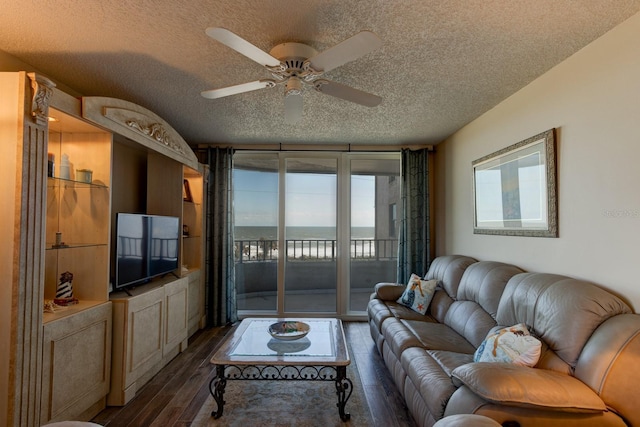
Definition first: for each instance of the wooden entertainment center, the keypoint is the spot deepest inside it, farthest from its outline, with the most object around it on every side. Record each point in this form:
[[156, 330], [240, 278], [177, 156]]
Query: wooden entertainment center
[[107, 156]]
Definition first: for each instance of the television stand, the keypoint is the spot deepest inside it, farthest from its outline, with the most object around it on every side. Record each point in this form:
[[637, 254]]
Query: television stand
[[150, 328]]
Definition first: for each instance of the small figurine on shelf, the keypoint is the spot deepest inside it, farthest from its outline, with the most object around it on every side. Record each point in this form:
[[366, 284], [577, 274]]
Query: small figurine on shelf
[[50, 306], [64, 292], [59, 243]]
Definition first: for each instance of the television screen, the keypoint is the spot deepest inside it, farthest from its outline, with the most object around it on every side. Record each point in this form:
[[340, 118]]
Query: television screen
[[146, 246], [163, 248]]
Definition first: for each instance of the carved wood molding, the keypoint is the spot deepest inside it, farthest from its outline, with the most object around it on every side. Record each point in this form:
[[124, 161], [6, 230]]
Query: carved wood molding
[[42, 89], [145, 126], [155, 131], [140, 125]]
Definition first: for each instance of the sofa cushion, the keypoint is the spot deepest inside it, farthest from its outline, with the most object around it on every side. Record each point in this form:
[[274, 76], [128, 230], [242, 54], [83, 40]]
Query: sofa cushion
[[398, 336], [482, 284], [431, 382], [403, 312], [511, 345], [562, 311], [437, 336], [418, 293], [522, 386], [440, 304], [448, 269], [470, 320], [450, 360]]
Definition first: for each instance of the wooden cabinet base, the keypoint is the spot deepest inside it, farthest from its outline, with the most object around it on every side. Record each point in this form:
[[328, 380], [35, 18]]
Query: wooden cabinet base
[[76, 365], [149, 329]]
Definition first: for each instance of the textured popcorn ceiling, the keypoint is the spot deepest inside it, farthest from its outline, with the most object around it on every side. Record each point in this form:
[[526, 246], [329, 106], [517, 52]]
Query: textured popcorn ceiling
[[442, 64]]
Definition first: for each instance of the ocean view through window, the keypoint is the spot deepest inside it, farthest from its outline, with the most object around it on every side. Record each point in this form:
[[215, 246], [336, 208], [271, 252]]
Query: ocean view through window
[[298, 218]]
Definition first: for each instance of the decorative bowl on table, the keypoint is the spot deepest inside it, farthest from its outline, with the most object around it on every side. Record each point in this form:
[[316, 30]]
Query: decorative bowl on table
[[288, 330]]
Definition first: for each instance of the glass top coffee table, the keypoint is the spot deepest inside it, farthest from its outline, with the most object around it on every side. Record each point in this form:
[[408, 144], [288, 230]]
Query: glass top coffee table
[[251, 353]]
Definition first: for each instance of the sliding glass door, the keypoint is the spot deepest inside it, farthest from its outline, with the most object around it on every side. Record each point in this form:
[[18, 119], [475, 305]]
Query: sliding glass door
[[255, 211], [375, 200], [314, 232], [310, 222]]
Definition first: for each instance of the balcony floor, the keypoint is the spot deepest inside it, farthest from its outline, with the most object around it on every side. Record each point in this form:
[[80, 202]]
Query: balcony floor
[[319, 301]]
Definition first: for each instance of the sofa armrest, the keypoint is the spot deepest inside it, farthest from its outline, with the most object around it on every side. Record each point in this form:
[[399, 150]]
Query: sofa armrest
[[388, 291], [515, 385]]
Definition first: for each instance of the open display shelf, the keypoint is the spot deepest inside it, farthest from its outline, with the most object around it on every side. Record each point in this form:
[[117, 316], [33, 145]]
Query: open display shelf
[[78, 211]]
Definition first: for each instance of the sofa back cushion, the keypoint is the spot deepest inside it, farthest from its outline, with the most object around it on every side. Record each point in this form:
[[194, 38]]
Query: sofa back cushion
[[609, 365], [448, 271], [561, 311], [473, 313]]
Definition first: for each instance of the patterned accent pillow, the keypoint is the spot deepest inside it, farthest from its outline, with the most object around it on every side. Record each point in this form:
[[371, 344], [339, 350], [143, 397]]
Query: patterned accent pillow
[[512, 345], [418, 294]]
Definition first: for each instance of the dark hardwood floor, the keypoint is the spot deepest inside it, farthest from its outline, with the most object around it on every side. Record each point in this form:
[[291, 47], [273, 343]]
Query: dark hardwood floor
[[175, 395]]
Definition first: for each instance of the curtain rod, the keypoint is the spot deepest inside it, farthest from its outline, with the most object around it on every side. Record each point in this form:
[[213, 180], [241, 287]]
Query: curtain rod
[[319, 147]]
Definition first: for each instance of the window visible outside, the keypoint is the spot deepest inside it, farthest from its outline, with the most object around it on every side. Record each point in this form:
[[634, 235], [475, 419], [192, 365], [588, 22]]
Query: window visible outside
[[255, 207], [375, 194], [294, 212], [310, 217]]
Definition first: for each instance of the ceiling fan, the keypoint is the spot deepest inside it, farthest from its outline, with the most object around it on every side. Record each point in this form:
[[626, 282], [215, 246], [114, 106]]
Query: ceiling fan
[[292, 64]]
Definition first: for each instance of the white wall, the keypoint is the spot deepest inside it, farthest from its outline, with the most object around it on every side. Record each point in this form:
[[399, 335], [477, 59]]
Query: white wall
[[593, 100]]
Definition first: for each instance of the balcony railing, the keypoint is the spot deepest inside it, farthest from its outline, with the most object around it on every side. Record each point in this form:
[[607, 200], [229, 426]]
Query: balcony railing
[[320, 250]]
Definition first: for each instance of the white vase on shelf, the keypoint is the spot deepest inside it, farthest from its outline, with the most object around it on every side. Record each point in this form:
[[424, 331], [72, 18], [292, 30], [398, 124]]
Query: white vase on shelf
[[64, 167]]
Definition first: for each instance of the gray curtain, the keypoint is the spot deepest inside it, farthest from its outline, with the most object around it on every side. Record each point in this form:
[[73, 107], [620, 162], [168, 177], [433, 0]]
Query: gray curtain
[[414, 254], [219, 266]]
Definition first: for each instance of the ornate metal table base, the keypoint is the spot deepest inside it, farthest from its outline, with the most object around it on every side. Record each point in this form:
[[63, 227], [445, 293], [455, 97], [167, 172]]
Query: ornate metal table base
[[338, 374]]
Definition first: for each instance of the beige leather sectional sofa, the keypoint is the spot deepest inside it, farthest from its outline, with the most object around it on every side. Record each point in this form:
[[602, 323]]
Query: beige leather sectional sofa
[[588, 373]]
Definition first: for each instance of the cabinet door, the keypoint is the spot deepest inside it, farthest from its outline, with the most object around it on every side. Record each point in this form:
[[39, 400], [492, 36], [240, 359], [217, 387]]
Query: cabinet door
[[145, 331], [76, 363], [138, 329], [177, 316]]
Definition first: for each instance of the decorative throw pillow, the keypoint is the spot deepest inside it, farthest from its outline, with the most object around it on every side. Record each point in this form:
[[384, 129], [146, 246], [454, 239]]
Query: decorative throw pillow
[[512, 345], [418, 294]]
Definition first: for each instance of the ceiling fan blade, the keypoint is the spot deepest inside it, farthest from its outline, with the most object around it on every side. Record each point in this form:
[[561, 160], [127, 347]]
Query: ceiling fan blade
[[346, 51], [347, 93], [241, 88], [293, 108], [242, 46]]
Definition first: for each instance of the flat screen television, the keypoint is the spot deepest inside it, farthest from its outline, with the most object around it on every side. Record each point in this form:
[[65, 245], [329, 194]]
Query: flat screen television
[[146, 247]]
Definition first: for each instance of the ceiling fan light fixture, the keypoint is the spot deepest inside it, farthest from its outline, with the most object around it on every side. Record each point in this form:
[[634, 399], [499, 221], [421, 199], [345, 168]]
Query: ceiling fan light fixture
[[293, 87]]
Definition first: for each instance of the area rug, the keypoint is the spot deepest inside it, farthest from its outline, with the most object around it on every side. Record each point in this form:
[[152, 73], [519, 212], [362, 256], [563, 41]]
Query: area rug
[[287, 403]]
